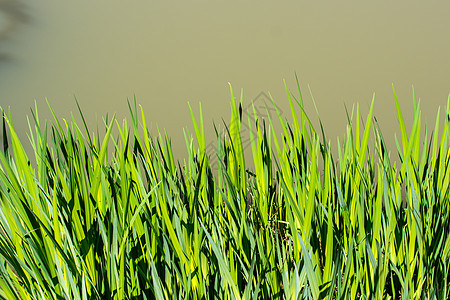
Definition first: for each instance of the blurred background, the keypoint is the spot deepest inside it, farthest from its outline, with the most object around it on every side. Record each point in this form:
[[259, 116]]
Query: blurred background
[[166, 54]]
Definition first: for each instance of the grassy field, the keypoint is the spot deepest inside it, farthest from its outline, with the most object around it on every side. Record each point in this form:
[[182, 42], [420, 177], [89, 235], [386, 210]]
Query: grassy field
[[112, 215]]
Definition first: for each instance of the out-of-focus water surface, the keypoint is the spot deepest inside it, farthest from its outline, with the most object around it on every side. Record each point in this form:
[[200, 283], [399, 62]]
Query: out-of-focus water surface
[[167, 54]]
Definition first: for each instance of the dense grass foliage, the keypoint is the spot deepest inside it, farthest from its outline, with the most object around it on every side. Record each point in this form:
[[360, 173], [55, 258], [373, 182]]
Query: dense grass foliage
[[114, 216]]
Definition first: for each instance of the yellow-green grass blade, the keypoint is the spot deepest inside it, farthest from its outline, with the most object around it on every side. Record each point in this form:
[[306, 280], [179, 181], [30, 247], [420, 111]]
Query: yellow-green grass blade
[[94, 190], [223, 266], [401, 122]]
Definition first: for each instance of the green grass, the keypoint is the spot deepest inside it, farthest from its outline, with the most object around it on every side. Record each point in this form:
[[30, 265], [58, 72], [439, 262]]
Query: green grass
[[116, 217]]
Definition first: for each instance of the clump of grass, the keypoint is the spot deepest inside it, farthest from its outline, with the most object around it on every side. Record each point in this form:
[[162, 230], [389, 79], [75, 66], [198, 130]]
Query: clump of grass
[[82, 223]]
